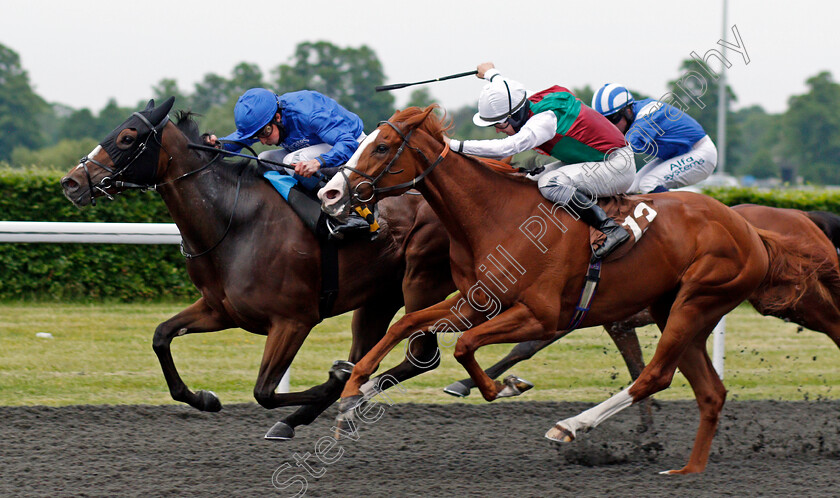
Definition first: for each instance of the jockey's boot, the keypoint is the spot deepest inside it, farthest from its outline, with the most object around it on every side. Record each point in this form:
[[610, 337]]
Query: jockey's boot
[[595, 217], [354, 225]]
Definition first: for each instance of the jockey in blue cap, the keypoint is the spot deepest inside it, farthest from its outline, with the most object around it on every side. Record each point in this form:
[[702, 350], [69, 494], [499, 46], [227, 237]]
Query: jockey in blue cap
[[312, 130], [683, 154]]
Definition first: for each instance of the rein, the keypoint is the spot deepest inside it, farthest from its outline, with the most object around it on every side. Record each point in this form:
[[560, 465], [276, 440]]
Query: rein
[[372, 181], [184, 252]]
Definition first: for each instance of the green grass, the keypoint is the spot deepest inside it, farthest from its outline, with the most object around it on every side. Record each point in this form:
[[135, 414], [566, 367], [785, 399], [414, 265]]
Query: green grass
[[101, 353]]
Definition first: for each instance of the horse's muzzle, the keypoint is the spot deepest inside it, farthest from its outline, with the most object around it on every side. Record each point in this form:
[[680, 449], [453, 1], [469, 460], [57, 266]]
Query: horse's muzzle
[[334, 202], [75, 193]]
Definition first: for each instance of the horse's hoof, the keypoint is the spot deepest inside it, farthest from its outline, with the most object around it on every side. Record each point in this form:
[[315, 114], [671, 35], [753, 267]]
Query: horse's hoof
[[457, 389], [349, 403], [514, 386], [280, 432], [341, 370], [207, 401], [345, 424], [560, 434], [688, 469]]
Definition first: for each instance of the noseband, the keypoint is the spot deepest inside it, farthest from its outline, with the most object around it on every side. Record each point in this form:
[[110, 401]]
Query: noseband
[[372, 181]]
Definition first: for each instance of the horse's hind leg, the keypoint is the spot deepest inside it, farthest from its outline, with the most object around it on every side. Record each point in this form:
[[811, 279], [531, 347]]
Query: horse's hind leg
[[710, 395], [198, 317], [691, 319]]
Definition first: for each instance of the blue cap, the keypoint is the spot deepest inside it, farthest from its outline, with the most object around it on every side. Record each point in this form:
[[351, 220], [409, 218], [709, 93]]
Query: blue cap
[[254, 109]]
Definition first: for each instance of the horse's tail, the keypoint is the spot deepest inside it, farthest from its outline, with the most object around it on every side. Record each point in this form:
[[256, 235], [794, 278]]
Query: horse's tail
[[796, 267]]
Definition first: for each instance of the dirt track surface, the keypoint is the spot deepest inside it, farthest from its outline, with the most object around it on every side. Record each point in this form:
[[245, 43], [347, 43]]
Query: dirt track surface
[[762, 448]]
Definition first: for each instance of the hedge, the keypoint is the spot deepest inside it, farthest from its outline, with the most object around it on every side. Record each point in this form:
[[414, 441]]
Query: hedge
[[157, 272], [63, 272], [806, 200]]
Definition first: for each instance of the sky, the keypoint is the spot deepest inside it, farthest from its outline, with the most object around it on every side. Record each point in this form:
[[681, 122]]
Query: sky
[[85, 52]]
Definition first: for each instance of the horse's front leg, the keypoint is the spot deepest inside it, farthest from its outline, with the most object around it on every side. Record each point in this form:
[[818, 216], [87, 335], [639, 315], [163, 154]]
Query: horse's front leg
[[285, 337], [198, 317], [369, 325], [437, 318], [521, 352], [516, 324], [623, 334]]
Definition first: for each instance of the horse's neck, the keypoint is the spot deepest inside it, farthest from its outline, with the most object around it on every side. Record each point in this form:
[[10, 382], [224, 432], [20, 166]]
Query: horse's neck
[[203, 204], [478, 207]]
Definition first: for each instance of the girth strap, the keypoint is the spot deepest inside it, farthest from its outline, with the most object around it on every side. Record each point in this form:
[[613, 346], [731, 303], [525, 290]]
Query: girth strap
[[329, 279], [593, 276]]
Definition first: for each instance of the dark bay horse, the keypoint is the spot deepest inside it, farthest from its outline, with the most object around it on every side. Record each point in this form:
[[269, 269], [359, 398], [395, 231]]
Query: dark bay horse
[[257, 266], [263, 272], [818, 310], [694, 264]]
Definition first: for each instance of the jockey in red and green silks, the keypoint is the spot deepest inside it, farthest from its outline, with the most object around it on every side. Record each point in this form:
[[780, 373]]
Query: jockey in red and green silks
[[593, 158]]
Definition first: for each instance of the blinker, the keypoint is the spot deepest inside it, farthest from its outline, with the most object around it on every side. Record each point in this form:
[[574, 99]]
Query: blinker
[[138, 164]]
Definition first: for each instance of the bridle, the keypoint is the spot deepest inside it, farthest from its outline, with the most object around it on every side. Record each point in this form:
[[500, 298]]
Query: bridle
[[371, 181], [111, 181]]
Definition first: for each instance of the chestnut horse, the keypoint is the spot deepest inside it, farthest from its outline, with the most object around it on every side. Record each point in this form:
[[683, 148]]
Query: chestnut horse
[[257, 266], [818, 310], [694, 264]]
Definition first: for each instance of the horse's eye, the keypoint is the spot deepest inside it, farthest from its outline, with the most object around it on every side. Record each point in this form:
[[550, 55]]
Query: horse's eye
[[127, 139], [381, 148]]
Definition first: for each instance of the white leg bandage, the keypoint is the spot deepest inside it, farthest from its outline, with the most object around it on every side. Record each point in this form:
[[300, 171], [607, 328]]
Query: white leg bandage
[[592, 417]]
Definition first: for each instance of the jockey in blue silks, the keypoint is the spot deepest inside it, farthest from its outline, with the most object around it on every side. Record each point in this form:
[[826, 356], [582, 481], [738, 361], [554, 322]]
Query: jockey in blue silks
[[312, 130], [683, 154]]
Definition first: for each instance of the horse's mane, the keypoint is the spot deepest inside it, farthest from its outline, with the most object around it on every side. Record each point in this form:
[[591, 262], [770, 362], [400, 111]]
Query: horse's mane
[[186, 123], [437, 125]]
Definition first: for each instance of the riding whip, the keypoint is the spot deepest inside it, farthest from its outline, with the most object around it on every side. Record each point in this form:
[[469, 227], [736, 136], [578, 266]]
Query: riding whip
[[395, 86]]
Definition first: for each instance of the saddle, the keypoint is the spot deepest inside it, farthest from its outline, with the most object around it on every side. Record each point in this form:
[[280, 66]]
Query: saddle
[[634, 213], [308, 208], [303, 201]]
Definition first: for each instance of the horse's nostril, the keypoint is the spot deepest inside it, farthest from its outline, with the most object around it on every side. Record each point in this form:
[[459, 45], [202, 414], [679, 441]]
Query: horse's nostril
[[332, 194], [69, 184]]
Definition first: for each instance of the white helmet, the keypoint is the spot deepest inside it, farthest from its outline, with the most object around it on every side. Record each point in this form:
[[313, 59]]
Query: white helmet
[[498, 101]]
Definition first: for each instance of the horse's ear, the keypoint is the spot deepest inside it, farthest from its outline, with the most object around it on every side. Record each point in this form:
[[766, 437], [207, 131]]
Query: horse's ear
[[419, 116], [162, 110], [150, 105]]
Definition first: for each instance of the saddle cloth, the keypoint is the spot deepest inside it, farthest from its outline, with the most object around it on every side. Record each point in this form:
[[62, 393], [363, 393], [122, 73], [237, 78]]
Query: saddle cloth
[[634, 213]]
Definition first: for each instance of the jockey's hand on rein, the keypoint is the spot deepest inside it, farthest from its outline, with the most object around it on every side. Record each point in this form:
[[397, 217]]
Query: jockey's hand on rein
[[211, 140]]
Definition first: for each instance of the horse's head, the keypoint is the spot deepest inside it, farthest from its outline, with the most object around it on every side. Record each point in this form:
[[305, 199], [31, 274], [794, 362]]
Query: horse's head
[[386, 163], [127, 158]]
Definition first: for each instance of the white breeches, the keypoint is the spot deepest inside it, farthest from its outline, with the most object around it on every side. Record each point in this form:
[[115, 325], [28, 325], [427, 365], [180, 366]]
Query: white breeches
[[282, 155], [687, 169], [612, 176]]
